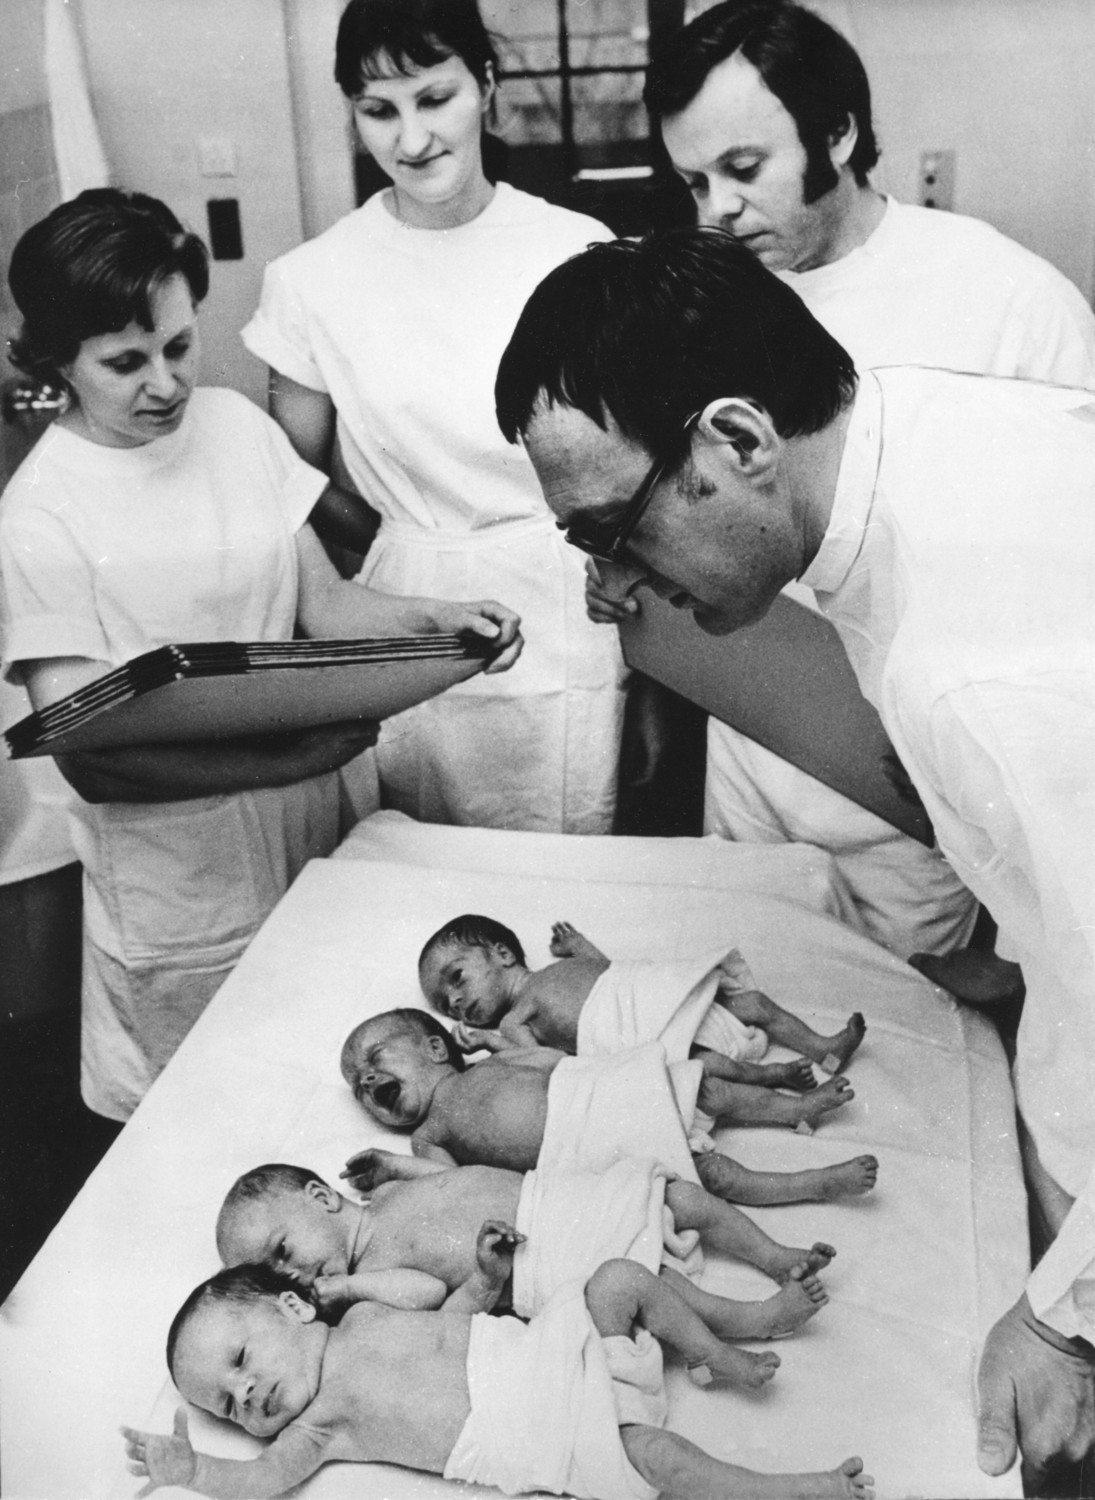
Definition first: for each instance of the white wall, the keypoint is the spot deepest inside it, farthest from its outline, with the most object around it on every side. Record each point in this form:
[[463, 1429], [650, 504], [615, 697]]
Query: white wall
[[322, 116], [167, 74]]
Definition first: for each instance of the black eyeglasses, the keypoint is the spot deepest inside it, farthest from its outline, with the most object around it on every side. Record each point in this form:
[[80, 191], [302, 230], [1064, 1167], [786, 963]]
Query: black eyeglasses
[[607, 540]]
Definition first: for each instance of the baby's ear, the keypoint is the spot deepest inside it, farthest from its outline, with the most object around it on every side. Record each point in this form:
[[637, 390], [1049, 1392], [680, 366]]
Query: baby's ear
[[297, 1307], [505, 956], [325, 1196]]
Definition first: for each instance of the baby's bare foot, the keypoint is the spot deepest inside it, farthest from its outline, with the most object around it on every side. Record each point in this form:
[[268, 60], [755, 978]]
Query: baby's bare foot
[[737, 1366], [568, 942], [801, 1297], [784, 1260], [842, 1046], [812, 1108], [847, 1179], [798, 1075]]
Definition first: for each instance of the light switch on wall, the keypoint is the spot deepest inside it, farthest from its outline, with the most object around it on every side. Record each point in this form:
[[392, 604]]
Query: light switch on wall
[[937, 170]]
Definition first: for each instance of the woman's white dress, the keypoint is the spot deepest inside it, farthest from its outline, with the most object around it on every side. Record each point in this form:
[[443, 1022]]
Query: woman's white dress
[[110, 552], [403, 328]]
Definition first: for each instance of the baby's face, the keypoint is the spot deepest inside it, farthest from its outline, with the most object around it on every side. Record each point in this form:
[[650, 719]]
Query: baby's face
[[256, 1363], [467, 983], [302, 1234], [392, 1072]]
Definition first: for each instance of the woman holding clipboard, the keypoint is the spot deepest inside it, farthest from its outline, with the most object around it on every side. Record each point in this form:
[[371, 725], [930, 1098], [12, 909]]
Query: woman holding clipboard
[[154, 512], [387, 330]]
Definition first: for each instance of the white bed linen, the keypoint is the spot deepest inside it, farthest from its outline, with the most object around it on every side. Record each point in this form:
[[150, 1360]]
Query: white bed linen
[[924, 1266]]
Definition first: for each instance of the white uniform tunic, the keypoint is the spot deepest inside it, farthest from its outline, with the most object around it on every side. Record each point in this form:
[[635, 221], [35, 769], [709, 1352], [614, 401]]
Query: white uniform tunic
[[927, 288], [403, 328], [959, 568], [110, 552]]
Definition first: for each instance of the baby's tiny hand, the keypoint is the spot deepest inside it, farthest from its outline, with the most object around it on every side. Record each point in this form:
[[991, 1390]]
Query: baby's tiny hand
[[331, 1294], [494, 1249], [164, 1460], [366, 1170], [478, 1039]]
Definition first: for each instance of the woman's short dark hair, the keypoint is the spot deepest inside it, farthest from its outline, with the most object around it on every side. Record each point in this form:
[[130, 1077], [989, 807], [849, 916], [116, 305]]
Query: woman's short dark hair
[[649, 331], [92, 266], [814, 72], [473, 931], [408, 35]]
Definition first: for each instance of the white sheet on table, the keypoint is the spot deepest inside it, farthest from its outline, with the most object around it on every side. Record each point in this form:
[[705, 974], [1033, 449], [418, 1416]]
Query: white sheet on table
[[925, 1263]]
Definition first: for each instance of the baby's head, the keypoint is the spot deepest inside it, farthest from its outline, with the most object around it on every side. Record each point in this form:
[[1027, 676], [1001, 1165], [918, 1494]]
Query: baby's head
[[393, 1062], [244, 1345], [287, 1218], [472, 969]]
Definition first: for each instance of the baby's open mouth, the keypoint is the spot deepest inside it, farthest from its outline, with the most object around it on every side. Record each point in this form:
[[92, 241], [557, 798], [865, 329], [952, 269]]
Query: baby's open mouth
[[386, 1094]]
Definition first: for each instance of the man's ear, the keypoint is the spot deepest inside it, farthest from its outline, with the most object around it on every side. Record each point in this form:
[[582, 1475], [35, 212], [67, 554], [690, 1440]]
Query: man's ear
[[297, 1307], [842, 142], [487, 89], [325, 1196], [743, 428]]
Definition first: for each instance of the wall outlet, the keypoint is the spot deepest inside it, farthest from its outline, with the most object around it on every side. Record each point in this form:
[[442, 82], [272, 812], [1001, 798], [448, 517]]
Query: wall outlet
[[937, 170]]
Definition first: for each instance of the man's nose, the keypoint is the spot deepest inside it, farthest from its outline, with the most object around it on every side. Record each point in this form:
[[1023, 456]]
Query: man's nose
[[723, 205]]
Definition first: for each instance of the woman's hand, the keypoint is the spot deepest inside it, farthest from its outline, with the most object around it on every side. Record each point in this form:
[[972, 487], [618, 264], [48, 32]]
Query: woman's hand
[[606, 604], [484, 617]]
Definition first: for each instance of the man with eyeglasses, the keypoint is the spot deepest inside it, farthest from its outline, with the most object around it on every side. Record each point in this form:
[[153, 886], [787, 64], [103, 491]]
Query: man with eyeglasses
[[689, 419], [765, 112]]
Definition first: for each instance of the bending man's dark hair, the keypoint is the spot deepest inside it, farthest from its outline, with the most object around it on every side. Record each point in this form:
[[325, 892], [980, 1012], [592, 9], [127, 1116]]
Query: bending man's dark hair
[[814, 72], [473, 931], [248, 1283], [647, 332], [92, 266], [408, 35]]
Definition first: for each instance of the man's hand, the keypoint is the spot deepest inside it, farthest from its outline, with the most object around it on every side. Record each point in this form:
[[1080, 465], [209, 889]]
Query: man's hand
[[494, 1250], [163, 1460], [1037, 1394], [606, 603]]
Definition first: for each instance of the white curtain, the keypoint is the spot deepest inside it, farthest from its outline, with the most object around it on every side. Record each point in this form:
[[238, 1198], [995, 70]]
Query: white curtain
[[77, 147]]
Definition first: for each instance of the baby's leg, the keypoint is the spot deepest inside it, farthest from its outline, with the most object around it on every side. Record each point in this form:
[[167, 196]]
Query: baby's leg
[[679, 1470], [796, 1074], [757, 1009], [728, 1179], [801, 1296], [622, 1294], [568, 942], [745, 1104], [723, 1227]]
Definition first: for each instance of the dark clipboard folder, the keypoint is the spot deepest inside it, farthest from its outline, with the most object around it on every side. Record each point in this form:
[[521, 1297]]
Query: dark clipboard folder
[[787, 683], [227, 689]]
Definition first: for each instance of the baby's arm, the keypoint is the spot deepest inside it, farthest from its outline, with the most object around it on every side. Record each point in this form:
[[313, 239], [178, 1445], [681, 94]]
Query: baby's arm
[[414, 1291], [366, 1170], [568, 942], [291, 1458], [493, 1267]]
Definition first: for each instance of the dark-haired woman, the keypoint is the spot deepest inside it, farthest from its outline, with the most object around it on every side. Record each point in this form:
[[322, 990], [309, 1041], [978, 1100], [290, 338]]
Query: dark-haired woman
[[154, 512], [389, 327]]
